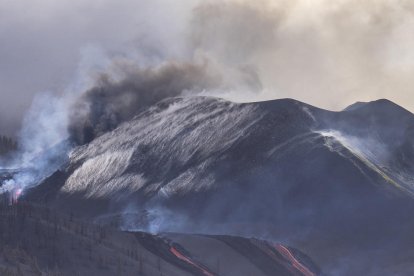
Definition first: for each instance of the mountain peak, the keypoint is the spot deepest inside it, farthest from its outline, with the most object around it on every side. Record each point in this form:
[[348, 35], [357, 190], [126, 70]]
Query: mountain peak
[[380, 105]]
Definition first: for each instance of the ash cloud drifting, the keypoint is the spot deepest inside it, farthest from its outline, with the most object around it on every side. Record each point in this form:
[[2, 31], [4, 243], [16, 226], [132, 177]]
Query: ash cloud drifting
[[209, 64], [326, 53], [113, 100]]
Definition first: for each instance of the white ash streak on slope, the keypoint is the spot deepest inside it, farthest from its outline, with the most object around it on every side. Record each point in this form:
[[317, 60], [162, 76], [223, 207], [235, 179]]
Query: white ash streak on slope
[[371, 153], [180, 131]]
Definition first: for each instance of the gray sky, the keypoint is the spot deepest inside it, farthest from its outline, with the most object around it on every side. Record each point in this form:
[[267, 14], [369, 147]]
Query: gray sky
[[42, 42], [329, 53]]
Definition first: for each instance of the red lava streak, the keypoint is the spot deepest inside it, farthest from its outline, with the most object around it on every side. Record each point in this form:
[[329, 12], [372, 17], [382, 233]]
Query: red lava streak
[[189, 261], [296, 264], [15, 195]]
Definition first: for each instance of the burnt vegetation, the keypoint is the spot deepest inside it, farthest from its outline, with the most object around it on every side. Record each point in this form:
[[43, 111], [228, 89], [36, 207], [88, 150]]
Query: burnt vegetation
[[37, 240], [7, 145], [34, 240]]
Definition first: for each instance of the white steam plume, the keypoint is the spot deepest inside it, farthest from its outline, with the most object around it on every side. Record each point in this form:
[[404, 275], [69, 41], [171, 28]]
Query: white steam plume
[[44, 141]]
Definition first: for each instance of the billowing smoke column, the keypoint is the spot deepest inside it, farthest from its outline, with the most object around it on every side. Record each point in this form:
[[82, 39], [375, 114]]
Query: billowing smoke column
[[111, 101]]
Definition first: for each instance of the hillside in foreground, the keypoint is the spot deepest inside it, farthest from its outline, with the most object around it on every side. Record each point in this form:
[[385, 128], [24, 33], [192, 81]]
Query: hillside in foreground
[[38, 241]]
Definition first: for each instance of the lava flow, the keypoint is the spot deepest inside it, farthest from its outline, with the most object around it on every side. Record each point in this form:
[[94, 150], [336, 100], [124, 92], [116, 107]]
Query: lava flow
[[186, 259], [15, 195], [295, 262]]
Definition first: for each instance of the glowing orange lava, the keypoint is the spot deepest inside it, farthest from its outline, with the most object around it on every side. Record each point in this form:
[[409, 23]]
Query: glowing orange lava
[[189, 261], [296, 264]]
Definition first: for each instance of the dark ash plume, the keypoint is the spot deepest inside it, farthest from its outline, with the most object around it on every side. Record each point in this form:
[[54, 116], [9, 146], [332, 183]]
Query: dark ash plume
[[110, 101]]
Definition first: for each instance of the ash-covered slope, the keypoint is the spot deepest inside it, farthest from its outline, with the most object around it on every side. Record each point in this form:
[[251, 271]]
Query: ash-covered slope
[[185, 146], [283, 169], [175, 147]]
